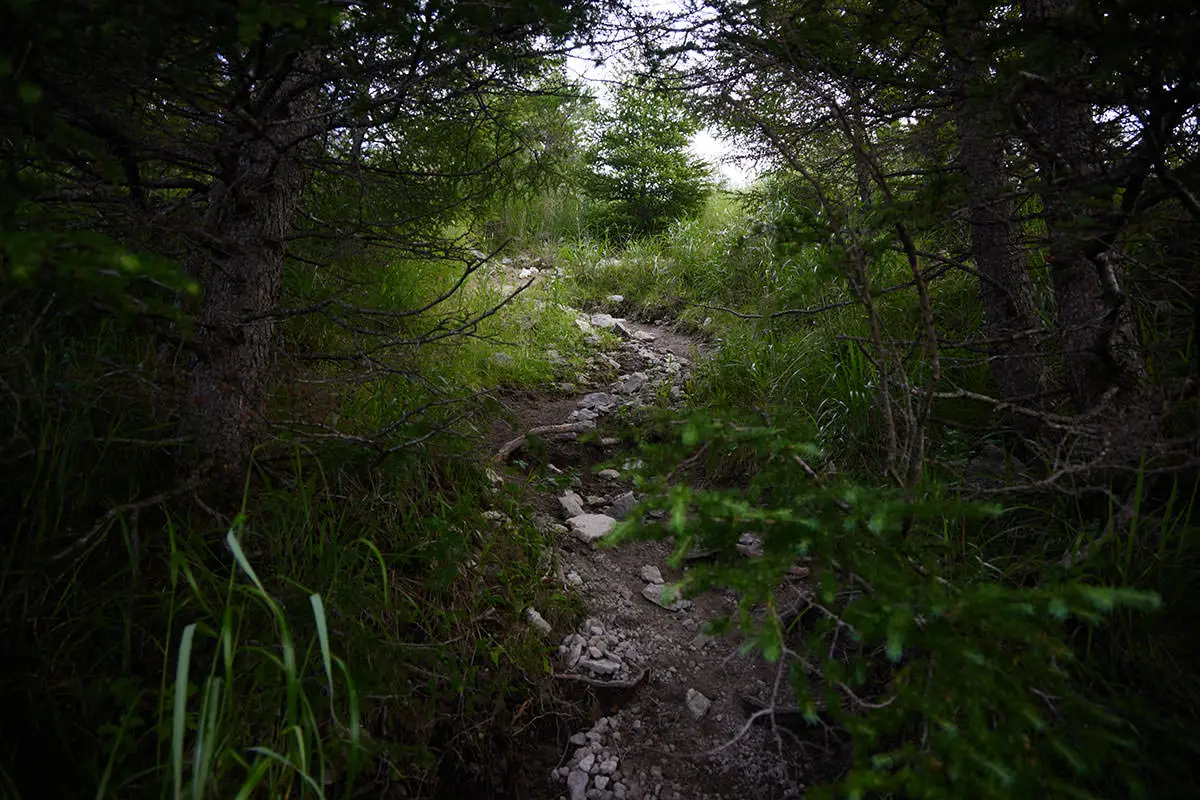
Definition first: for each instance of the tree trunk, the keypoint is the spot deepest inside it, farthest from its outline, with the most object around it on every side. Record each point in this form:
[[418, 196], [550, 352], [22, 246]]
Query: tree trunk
[[253, 204], [1094, 321], [1011, 323]]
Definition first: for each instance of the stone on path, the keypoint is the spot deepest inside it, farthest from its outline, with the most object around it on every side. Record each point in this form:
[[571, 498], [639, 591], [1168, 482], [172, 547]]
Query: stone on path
[[577, 783], [697, 704], [652, 574], [572, 504], [602, 321], [665, 596], [631, 383], [621, 506], [590, 527], [609, 474], [597, 400], [623, 329]]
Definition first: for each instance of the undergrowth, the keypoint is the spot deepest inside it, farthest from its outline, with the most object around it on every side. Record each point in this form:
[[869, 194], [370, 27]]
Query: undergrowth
[[357, 625], [968, 649]]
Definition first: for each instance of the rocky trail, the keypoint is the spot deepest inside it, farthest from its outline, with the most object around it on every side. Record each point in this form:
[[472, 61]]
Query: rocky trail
[[676, 714]]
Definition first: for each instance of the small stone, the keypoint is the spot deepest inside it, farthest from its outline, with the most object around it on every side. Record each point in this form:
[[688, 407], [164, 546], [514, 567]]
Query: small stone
[[620, 791], [609, 474], [502, 359], [574, 578], [665, 596], [594, 500], [656, 773], [616, 298], [601, 782], [609, 766], [577, 739], [644, 336], [697, 704], [651, 574], [631, 383], [589, 528], [577, 783], [587, 762], [602, 321], [601, 400], [602, 666], [623, 329], [572, 504], [621, 506], [537, 621], [584, 326], [595, 652], [609, 441]]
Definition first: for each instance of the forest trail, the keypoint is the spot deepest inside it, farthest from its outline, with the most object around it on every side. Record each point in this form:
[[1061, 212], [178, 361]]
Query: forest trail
[[670, 706]]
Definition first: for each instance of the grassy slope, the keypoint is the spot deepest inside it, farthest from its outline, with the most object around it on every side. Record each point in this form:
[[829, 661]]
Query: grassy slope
[[384, 610]]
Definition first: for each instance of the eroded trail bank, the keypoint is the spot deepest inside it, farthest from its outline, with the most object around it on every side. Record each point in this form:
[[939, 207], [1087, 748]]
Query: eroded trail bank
[[671, 710]]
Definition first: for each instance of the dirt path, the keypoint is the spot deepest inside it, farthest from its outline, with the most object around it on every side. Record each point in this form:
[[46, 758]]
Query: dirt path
[[672, 704]]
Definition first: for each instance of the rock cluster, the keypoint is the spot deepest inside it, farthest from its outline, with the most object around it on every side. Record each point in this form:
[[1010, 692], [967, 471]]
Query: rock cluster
[[598, 654], [594, 771]]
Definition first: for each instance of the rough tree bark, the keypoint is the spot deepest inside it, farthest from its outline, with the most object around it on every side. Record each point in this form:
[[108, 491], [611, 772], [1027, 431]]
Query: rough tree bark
[[252, 206], [1094, 321], [1011, 323]]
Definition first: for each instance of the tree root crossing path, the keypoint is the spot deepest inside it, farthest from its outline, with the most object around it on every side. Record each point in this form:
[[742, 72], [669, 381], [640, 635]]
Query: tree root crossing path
[[667, 711]]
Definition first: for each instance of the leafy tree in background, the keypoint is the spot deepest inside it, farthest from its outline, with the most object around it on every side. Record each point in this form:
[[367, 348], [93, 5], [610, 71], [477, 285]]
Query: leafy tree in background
[[639, 168]]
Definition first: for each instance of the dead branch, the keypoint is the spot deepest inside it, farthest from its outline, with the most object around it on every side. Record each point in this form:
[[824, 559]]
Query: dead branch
[[515, 444]]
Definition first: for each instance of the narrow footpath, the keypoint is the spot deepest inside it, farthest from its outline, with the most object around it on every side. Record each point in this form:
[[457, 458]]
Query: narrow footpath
[[673, 704]]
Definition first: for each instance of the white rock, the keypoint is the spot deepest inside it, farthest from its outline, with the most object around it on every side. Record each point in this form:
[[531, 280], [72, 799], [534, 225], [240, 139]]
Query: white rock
[[623, 329], [616, 298], [587, 762], [574, 579], [538, 622], [609, 766], [602, 321], [578, 739], [577, 783], [697, 704], [601, 782], [600, 667], [665, 596], [572, 504], [609, 474], [502, 359], [591, 527], [652, 574], [644, 336]]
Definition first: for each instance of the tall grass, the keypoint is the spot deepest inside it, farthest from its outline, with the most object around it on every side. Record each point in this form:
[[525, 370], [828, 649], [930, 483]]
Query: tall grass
[[332, 635]]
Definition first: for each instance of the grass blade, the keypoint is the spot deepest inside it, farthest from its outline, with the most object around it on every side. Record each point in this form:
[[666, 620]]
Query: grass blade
[[179, 713]]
